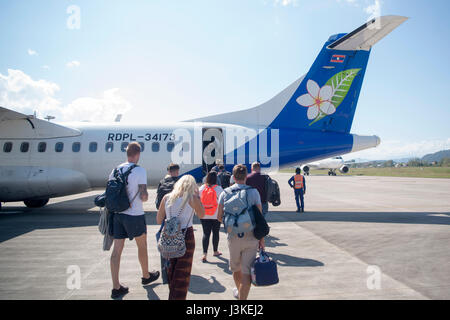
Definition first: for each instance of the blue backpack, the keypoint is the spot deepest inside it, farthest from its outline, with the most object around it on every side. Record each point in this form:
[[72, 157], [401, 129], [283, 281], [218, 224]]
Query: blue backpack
[[238, 215], [116, 191]]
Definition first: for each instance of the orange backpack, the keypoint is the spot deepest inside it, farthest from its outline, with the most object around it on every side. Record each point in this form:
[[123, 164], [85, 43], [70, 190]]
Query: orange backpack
[[209, 200]]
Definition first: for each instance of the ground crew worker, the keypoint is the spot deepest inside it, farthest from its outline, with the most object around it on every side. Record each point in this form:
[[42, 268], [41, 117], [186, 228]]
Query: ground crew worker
[[298, 183]]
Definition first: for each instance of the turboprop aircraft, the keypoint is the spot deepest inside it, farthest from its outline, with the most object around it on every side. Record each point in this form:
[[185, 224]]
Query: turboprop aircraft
[[309, 120], [332, 164]]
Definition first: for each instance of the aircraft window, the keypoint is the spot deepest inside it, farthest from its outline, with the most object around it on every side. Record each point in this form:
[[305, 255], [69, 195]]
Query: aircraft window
[[142, 146], [7, 147], [170, 146], [124, 146], [109, 147], [42, 146], [59, 147], [76, 146], [24, 147], [93, 147], [155, 146]]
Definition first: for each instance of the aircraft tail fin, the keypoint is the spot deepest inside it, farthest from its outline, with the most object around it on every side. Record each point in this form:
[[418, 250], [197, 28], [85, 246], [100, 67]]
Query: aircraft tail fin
[[326, 98]]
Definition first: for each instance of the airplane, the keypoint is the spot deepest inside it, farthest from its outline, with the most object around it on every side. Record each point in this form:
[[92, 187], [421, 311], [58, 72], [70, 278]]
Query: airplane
[[332, 164], [309, 120]]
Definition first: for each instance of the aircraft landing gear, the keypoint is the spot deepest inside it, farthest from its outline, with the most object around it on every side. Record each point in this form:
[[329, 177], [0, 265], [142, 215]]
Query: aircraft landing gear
[[36, 203], [331, 173]]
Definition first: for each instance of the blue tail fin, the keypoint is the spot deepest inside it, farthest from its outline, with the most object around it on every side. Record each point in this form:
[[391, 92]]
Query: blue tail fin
[[326, 98]]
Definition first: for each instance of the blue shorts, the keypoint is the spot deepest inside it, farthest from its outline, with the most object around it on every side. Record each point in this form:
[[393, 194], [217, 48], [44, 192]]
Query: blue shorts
[[126, 226]]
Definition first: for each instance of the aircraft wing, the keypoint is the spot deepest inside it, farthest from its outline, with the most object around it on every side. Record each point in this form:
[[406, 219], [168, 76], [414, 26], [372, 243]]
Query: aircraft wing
[[16, 125]]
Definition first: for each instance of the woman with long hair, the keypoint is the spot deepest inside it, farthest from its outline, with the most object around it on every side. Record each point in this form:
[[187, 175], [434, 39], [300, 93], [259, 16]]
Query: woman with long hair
[[209, 195], [182, 202]]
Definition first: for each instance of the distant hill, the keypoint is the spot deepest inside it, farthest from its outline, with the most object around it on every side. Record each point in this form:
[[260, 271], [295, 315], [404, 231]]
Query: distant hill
[[437, 156]]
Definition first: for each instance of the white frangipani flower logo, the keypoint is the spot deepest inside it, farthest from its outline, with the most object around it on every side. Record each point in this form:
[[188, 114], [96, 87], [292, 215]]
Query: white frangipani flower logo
[[317, 100]]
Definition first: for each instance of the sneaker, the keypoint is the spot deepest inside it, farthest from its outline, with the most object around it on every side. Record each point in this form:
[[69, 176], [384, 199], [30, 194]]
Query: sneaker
[[153, 276], [236, 293], [117, 293]]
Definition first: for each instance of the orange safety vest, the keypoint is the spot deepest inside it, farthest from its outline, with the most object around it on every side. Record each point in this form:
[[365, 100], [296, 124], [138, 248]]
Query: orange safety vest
[[298, 179]]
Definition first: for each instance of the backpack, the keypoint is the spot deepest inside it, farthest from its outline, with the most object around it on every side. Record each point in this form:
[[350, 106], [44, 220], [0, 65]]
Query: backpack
[[116, 191], [172, 243], [273, 192], [209, 200], [262, 228], [238, 216], [165, 186], [224, 177]]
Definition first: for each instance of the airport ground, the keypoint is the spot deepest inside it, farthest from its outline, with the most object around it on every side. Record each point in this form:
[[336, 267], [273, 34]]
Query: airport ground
[[413, 172], [353, 227]]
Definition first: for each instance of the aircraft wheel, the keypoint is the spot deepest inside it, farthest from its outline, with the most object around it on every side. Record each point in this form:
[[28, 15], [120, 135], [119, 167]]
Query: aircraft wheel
[[36, 203]]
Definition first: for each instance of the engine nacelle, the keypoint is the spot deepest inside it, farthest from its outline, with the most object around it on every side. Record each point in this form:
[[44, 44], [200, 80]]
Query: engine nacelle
[[306, 169], [344, 169]]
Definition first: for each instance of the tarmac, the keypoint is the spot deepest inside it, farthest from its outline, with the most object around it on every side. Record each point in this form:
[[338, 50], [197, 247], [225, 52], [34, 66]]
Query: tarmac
[[360, 238]]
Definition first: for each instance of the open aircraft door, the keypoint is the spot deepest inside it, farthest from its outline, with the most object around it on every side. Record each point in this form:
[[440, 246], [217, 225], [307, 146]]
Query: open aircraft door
[[212, 148]]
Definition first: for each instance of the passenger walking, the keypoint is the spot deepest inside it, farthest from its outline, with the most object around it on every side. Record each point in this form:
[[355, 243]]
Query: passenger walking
[[298, 183], [209, 195], [183, 202], [258, 181], [165, 186], [243, 247], [223, 177], [131, 222]]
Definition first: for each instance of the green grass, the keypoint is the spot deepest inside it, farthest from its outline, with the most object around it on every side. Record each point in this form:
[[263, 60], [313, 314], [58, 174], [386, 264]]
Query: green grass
[[416, 172]]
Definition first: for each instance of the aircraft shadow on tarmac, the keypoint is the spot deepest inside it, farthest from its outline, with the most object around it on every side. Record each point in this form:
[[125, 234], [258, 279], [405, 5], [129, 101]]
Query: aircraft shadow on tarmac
[[438, 218], [16, 221]]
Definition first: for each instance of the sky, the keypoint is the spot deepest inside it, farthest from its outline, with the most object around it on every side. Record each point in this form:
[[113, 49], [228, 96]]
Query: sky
[[176, 60]]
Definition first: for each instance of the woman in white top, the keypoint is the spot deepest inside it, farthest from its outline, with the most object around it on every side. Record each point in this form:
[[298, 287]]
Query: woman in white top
[[209, 195], [184, 202]]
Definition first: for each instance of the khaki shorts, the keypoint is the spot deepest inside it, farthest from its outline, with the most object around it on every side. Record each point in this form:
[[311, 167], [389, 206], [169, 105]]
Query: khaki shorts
[[242, 252]]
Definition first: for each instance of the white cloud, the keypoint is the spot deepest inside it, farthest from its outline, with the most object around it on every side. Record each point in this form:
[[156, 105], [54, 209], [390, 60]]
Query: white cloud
[[98, 109], [396, 149], [32, 52], [73, 64], [284, 3], [374, 10], [19, 92]]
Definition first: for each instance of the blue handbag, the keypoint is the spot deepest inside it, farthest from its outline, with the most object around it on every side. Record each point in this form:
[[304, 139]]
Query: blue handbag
[[264, 270]]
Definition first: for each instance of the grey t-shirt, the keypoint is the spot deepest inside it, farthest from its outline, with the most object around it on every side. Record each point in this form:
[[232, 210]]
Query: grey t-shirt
[[252, 194]]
